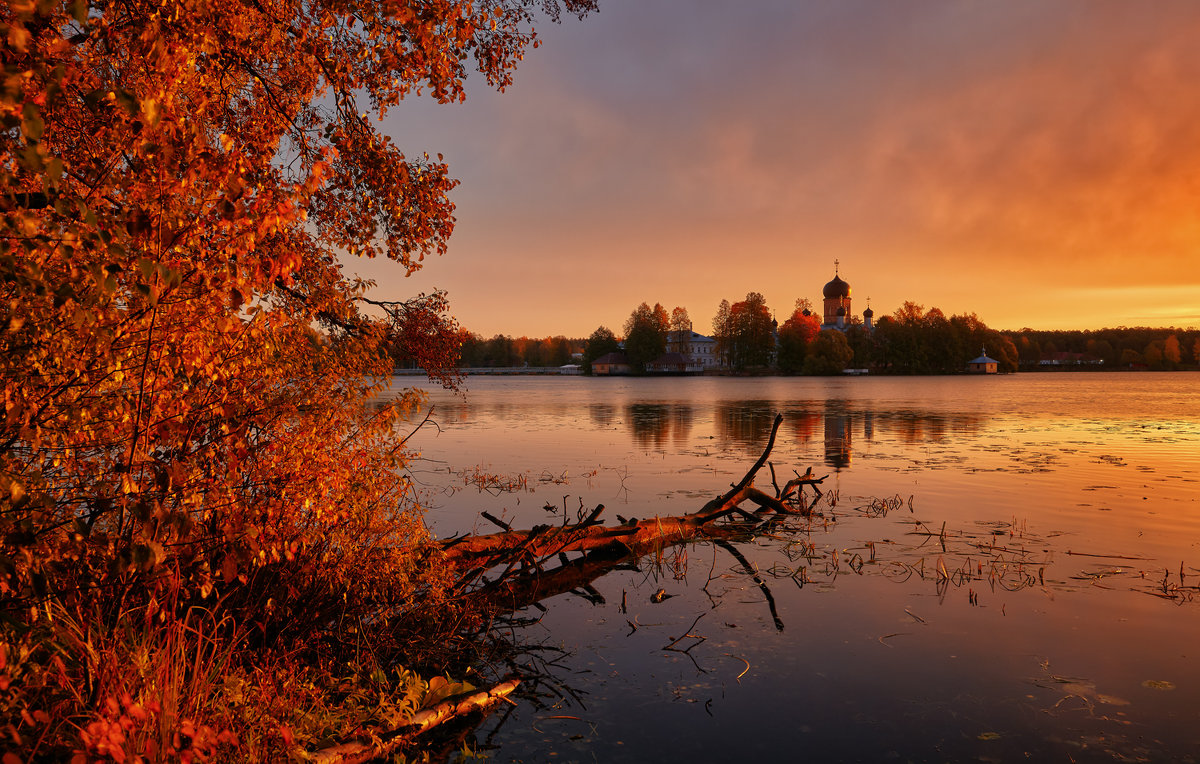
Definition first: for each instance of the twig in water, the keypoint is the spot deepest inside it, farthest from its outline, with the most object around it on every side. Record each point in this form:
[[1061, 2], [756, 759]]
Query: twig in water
[[738, 678], [688, 634], [1107, 556]]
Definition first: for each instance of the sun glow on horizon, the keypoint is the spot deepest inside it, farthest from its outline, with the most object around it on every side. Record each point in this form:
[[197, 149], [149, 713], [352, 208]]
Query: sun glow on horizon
[[1030, 163]]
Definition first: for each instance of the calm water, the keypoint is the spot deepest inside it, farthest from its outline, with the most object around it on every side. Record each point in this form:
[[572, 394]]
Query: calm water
[[1027, 593]]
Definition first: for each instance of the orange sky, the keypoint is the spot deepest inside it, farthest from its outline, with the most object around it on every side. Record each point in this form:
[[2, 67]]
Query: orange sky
[[1037, 163]]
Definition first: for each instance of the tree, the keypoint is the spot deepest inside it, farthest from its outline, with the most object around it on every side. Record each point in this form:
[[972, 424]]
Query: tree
[[187, 371], [795, 335], [829, 353], [501, 352], [601, 343], [646, 332], [1171, 352], [1102, 350], [1154, 355], [723, 333], [900, 341], [750, 340], [681, 333], [557, 351], [862, 346]]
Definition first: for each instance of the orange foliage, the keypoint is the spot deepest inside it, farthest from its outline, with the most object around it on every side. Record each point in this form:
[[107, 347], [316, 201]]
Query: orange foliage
[[186, 369], [806, 327]]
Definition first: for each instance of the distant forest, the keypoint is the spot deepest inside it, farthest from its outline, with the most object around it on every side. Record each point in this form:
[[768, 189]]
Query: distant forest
[[502, 351], [909, 341]]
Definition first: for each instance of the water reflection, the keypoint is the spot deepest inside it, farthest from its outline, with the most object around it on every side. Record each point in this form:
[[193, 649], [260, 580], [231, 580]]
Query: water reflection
[[1048, 576], [603, 414], [652, 425], [917, 427], [837, 435], [803, 425], [745, 424]]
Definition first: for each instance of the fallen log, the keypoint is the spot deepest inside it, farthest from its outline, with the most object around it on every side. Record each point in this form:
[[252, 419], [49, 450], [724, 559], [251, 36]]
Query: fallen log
[[530, 548], [359, 752], [515, 592]]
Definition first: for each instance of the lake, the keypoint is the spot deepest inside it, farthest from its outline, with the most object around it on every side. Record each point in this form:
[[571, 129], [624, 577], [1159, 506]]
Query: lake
[[1002, 568]]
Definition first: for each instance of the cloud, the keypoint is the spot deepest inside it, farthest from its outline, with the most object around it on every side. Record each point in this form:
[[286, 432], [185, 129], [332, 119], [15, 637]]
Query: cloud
[[685, 151]]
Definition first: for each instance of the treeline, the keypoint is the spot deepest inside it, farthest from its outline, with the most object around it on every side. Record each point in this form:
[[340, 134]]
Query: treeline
[[915, 341], [749, 338], [911, 340], [1120, 347], [502, 351]]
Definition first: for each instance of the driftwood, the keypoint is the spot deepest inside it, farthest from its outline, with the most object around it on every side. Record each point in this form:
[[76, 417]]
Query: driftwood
[[526, 554], [590, 534], [358, 752]]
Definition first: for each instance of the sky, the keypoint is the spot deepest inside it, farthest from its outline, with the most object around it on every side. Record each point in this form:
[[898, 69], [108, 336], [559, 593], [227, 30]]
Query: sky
[[1036, 163]]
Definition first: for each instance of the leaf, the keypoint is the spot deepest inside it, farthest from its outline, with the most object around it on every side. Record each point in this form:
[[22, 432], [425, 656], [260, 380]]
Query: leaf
[[31, 124], [18, 38]]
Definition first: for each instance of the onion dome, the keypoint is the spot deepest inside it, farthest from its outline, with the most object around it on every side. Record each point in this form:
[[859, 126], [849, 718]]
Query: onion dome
[[841, 312], [836, 288], [868, 313]]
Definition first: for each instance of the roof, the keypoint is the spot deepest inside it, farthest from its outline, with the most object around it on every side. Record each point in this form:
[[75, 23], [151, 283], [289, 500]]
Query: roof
[[984, 359], [836, 288], [611, 358], [670, 359]]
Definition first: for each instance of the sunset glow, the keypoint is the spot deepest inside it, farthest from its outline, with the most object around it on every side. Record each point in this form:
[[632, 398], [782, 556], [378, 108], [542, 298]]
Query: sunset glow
[[1034, 163]]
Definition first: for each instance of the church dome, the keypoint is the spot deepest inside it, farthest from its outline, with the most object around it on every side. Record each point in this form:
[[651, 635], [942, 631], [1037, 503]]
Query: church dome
[[841, 312], [868, 313], [836, 288]]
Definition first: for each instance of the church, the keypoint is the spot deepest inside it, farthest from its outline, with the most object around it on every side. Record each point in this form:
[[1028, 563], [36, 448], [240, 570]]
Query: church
[[836, 314]]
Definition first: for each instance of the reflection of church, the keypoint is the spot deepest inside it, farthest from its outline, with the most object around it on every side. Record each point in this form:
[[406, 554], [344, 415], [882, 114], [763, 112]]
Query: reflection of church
[[837, 305], [837, 437]]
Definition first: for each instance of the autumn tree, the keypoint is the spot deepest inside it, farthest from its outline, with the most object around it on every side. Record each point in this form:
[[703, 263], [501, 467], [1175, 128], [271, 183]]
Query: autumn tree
[[795, 335], [1171, 353], [188, 461], [646, 332]]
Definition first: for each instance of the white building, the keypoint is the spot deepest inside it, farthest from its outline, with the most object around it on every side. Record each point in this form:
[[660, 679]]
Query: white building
[[702, 352]]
